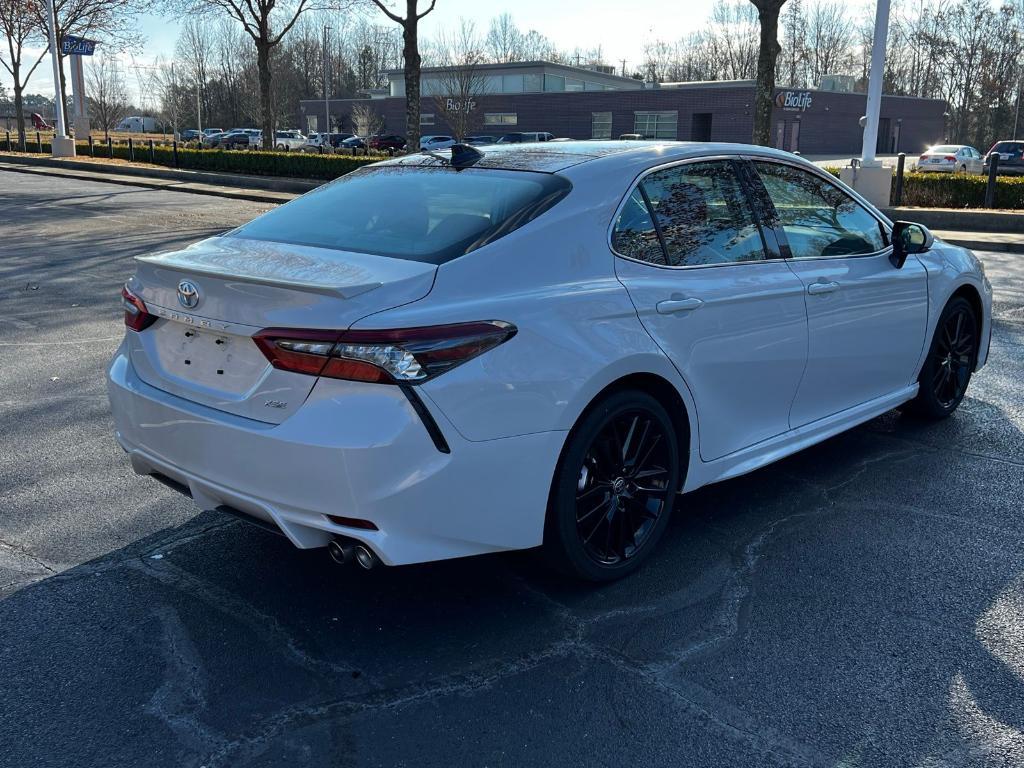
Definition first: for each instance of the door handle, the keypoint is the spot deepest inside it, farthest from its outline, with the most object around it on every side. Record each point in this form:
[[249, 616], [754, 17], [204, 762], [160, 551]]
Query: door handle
[[677, 305], [815, 289]]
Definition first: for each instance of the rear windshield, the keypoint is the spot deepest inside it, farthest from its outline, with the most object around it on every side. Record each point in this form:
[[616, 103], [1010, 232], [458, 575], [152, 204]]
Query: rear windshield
[[430, 215], [1008, 147], [945, 150]]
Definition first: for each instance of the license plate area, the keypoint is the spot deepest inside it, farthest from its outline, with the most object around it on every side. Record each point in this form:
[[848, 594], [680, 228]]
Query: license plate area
[[222, 362]]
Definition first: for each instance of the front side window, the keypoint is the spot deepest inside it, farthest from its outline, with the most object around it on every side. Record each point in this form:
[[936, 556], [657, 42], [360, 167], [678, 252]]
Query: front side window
[[430, 215], [703, 214], [819, 219], [634, 234]]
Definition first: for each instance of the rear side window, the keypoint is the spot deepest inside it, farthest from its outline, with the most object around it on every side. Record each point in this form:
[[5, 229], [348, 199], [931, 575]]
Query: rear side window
[[634, 234], [430, 215]]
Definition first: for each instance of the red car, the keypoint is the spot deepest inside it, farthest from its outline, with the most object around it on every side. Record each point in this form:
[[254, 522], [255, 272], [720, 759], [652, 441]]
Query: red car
[[386, 142]]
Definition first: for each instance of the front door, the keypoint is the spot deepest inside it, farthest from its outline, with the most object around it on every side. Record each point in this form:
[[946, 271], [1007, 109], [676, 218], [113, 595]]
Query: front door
[[866, 319], [711, 293]]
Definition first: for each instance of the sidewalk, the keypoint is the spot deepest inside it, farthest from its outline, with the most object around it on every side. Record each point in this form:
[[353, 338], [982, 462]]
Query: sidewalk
[[1005, 242]]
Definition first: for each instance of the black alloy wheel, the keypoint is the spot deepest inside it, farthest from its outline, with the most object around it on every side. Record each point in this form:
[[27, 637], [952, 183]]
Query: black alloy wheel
[[615, 488], [951, 360]]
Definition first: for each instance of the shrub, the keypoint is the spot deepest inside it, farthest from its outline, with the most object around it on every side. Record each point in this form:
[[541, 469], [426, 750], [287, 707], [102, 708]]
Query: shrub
[[295, 164], [957, 190]]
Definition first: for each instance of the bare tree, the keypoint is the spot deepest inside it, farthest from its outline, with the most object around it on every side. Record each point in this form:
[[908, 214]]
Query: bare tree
[[108, 96], [19, 22], [411, 54], [365, 120], [505, 42], [266, 22], [462, 81], [828, 33], [768, 52]]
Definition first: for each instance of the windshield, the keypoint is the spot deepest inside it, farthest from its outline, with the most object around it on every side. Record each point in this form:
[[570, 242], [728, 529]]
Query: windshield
[[431, 215]]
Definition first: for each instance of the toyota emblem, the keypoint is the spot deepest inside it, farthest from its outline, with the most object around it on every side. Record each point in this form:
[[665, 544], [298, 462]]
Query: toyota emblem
[[188, 294]]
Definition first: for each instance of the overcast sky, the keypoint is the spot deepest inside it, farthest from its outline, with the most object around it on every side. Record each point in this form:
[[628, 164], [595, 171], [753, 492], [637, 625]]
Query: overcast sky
[[621, 28]]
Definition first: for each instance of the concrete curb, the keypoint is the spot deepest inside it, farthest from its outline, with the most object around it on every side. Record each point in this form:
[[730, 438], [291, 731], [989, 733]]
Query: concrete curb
[[964, 240], [240, 181], [169, 185]]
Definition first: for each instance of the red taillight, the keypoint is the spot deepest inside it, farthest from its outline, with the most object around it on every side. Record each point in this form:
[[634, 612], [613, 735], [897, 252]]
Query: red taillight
[[398, 356], [923, 157], [136, 316], [950, 158]]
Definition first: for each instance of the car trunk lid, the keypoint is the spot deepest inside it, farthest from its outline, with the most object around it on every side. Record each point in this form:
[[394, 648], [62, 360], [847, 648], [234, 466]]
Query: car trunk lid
[[213, 297]]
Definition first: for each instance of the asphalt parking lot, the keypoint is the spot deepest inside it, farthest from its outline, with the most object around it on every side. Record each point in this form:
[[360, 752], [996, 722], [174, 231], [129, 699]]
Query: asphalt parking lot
[[858, 604]]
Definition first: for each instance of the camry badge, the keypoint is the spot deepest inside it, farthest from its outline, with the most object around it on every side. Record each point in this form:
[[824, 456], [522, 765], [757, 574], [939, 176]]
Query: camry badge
[[188, 294]]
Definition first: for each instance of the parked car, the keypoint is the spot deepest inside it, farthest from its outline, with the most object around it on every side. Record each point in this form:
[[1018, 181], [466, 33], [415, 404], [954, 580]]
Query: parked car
[[384, 142], [436, 142], [521, 138], [353, 142], [631, 137], [212, 140], [950, 158], [481, 141], [283, 140], [430, 382], [190, 134], [237, 138], [211, 131], [1011, 157]]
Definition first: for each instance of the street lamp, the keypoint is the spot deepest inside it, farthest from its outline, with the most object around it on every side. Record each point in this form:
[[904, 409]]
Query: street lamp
[[327, 105]]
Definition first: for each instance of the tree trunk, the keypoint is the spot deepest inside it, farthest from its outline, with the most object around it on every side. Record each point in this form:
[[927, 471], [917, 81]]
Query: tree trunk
[[19, 105], [768, 15], [411, 53], [266, 96]]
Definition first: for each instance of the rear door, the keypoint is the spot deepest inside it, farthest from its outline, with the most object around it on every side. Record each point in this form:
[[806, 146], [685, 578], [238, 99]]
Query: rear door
[[716, 297], [866, 319]]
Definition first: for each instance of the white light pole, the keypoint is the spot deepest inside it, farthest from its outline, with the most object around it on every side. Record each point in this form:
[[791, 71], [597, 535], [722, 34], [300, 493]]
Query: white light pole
[[327, 104], [867, 157], [61, 145]]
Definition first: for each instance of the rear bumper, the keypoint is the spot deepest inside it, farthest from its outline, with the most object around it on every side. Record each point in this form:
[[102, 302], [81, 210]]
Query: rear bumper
[[353, 450]]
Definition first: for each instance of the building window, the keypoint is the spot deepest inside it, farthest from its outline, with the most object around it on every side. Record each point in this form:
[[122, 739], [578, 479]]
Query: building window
[[572, 84], [512, 84], [533, 83], [500, 118], [426, 118], [554, 83], [656, 125], [601, 125]]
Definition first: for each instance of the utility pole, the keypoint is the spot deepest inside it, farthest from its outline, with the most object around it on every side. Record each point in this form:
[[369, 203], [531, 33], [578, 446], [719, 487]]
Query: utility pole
[[327, 105], [199, 115], [61, 145]]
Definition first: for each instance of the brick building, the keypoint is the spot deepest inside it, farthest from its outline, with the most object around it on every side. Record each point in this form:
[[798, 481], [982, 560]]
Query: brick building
[[594, 103]]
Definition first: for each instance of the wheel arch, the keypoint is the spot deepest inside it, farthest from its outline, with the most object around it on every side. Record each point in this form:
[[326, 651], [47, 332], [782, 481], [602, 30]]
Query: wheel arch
[[970, 293]]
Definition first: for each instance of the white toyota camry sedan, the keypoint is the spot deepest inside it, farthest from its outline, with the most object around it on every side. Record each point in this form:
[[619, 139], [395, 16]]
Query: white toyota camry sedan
[[471, 351]]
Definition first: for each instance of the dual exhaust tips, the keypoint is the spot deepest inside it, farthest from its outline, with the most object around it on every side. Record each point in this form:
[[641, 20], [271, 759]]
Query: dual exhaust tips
[[345, 552]]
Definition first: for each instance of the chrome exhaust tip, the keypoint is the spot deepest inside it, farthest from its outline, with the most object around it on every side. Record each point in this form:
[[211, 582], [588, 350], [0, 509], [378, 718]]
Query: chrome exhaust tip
[[342, 554], [365, 557]]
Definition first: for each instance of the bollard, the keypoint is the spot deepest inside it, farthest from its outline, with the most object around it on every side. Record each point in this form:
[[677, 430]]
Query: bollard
[[901, 160], [174, 148], [39, 143], [131, 150], [990, 187], [110, 149], [92, 147], [321, 149], [152, 152], [8, 141]]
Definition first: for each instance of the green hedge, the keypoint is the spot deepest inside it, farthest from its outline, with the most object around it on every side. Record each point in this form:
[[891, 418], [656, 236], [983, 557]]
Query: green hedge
[[955, 190], [295, 164]]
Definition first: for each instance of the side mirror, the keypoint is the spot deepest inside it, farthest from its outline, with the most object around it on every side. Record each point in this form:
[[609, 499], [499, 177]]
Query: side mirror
[[908, 238]]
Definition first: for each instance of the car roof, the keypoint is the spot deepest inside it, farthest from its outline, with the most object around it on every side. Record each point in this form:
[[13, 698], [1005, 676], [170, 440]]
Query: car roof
[[551, 157]]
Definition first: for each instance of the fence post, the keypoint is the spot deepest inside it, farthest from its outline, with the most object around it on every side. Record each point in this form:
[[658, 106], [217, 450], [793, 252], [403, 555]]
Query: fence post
[[174, 148], [8, 141], [321, 149], [39, 143], [990, 187], [152, 152], [131, 150], [92, 147], [901, 160], [110, 149]]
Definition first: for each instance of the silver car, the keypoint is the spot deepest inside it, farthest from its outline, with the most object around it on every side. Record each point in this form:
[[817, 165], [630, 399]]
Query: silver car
[[950, 158]]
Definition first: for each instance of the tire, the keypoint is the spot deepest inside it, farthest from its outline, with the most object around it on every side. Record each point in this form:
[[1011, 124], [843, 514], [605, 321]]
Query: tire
[[947, 370], [614, 488], [279, 147], [963, 169]]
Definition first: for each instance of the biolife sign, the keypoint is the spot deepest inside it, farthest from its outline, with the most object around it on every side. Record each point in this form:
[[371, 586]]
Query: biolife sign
[[455, 105], [793, 101]]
